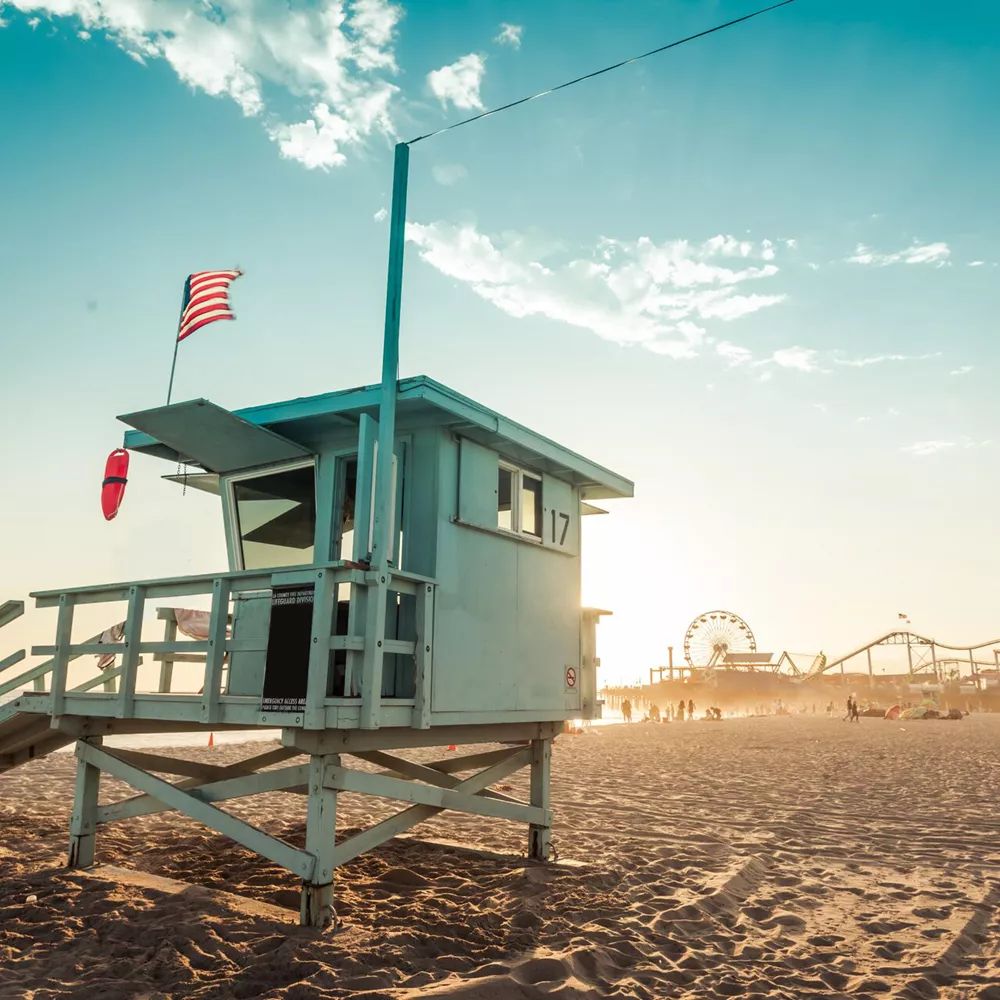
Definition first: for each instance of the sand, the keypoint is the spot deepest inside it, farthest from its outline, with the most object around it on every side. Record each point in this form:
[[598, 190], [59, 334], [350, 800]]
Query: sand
[[781, 857]]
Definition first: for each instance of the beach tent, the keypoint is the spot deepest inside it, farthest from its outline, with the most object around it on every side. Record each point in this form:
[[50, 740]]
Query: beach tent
[[892, 713]]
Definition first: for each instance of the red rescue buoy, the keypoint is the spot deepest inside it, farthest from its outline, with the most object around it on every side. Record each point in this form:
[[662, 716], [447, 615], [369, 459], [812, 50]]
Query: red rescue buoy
[[115, 481]]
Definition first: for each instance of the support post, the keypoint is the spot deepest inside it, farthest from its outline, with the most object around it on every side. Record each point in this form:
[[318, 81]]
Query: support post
[[383, 525], [83, 824], [317, 909], [540, 836], [871, 675]]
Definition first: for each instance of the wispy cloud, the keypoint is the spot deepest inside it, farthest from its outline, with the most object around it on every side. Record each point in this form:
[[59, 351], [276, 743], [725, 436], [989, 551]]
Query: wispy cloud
[[976, 263], [629, 292], [733, 353], [510, 34], [332, 58], [927, 253], [963, 370], [381, 215], [448, 174], [878, 359], [803, 359], [923, 448], [459, 82]]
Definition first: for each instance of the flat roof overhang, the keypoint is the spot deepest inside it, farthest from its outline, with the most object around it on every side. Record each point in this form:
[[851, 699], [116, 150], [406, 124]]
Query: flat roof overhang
[[199, 432]]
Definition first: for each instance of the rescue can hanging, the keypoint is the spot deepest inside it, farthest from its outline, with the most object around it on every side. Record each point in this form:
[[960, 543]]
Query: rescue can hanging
[[115, 481]]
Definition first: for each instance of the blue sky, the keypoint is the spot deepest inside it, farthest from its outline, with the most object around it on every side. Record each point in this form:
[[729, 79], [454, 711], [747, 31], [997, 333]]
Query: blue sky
[[756, 274]]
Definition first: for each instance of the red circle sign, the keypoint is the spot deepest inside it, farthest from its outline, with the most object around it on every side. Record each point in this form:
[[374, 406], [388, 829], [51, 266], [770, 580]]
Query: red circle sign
[[571, 677]]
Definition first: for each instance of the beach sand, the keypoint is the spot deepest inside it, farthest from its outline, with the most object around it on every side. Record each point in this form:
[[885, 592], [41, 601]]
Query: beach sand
[[778, 857]]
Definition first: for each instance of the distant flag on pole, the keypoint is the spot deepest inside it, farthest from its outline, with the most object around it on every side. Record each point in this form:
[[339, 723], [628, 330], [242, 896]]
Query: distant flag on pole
[[206, 299]]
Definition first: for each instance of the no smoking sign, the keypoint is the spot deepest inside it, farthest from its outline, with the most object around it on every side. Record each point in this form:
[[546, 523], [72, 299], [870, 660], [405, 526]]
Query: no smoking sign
[[570, 678]]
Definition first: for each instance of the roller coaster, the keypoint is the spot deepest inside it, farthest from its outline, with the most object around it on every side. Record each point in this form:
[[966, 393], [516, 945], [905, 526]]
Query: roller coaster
[[922, 656]]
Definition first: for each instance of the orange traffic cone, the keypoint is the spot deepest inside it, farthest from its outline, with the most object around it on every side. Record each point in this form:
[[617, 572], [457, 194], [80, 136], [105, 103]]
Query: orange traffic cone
[[211, 739]]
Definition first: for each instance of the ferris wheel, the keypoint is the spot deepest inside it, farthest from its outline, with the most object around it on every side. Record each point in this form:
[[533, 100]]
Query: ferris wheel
[[714, 634]]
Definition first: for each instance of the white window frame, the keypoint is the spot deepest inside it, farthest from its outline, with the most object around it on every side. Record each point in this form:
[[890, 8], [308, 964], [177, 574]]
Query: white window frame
[[234, 514], [517, 477]]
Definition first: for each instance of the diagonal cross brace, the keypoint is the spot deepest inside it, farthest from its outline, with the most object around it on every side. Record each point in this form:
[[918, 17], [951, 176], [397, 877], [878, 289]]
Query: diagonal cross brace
[[408, 818], [298, 862], [215, 780]]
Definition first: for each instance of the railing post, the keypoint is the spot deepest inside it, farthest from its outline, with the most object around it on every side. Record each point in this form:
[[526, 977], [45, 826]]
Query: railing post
[[215, 656], [371, 664], [167, 664], [130, 658], [423, 657], [319, 651], [60, 662]]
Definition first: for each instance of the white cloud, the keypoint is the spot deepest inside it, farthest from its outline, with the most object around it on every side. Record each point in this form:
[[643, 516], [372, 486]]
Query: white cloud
[[963, 370], [381, 215], [928, 253], [792, 244], [627, 292], [448, 174], [733, 353], [922, 448], [330, 57], [803, 359], [510, 34], [823, 408], [862, 420], [812, 266], [976, 263], [459, 82], [878, 359], [34, 22]]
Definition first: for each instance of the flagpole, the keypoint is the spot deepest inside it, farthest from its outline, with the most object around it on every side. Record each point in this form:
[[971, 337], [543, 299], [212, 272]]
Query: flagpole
[[177, 341]]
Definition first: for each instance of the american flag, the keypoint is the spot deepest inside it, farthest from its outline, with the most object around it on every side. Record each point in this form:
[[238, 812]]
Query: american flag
[[206, 299]]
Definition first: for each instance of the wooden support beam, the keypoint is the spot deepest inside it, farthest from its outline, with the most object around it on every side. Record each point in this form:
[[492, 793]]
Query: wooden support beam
[[298, 862], [540, 834], [167, 664], [317, 909], [83, 823], [409, 818], [347, 780], [372, 659]]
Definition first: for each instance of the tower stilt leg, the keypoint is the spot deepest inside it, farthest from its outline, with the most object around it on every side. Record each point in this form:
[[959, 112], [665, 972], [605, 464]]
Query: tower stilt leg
[[540, 837], [83, 825], [317, 908]]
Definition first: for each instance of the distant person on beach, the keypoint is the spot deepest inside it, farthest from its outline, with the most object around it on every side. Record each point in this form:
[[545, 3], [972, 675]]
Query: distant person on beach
[[855, 715], [627, 710], [680, 711], [690, 710], [850, 709]]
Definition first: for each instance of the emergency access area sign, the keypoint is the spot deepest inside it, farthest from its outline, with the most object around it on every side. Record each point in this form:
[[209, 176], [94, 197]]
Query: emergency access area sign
[[570, 678]]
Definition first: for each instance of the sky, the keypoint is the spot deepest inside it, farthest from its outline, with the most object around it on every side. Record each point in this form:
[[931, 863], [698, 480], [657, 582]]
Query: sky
[[757, 275]]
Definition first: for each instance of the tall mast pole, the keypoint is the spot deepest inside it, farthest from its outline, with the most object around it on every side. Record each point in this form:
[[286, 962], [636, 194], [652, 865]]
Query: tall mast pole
[[383, 528]]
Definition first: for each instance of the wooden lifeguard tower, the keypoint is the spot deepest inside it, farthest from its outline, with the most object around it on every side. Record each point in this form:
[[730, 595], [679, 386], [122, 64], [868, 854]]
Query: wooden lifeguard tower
[[404, 571]]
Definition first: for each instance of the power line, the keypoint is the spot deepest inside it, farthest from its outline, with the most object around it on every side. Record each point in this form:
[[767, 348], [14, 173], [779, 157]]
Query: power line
[[599, 72]]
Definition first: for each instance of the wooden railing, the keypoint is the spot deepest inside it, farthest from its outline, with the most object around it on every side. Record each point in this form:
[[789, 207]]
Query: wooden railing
[[364, 649]]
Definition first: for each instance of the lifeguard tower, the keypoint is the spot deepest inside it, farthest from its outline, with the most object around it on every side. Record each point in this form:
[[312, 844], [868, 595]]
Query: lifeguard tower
[[404, 571], [471, 632]]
